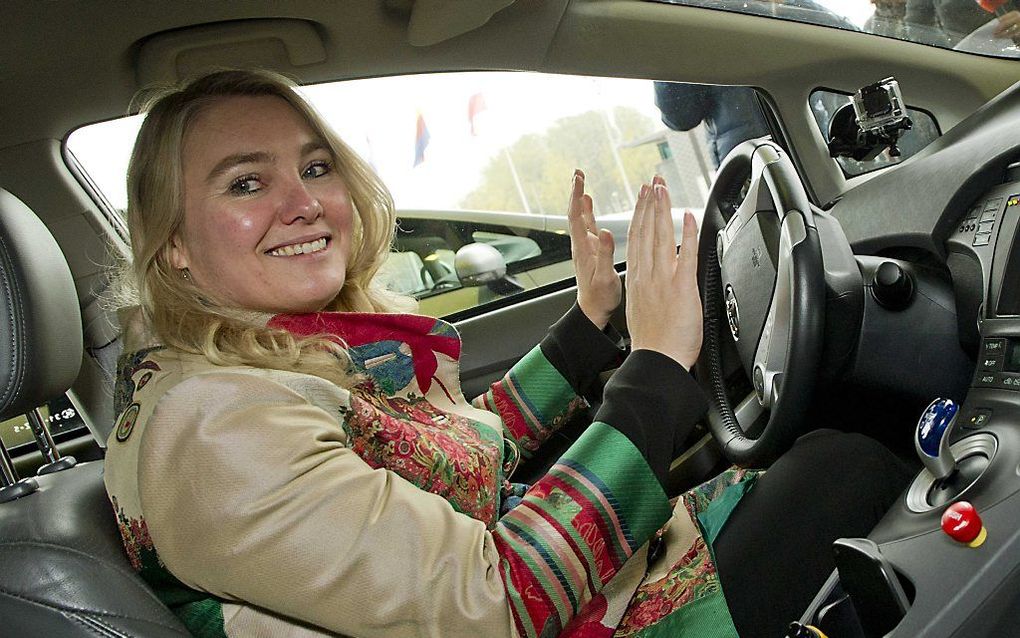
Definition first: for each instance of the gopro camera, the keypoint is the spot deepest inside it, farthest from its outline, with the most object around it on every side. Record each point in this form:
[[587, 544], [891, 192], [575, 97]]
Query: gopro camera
[[879, 106], [871, 122]]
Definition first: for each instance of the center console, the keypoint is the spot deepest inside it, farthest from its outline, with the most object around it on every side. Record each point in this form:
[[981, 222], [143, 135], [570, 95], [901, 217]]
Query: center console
[[916, 574]]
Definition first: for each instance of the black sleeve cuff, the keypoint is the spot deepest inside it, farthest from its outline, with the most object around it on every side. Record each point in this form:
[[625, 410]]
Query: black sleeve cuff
[[579, 350], [655, 403]]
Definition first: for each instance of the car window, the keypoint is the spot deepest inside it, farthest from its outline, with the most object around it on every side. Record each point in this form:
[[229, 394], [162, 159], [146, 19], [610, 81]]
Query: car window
[[487, 158], [423, 261], [512, 248]]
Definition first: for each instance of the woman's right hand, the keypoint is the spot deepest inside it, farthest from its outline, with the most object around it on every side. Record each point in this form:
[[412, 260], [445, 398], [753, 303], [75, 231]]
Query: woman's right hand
[[663, 305]]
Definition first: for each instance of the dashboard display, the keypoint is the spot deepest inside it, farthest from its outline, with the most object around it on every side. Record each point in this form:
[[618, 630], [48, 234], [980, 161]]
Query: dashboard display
[[1009, 292], [1012, 361]]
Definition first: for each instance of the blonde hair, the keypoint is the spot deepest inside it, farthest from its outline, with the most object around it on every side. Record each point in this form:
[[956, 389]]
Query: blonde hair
[[174, 309]]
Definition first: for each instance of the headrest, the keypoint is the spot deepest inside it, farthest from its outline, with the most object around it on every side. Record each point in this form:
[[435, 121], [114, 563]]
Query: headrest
[[40, 321]]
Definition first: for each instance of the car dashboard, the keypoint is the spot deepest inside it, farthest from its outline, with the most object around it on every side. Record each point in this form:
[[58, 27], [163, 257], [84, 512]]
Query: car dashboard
[[959, 200]]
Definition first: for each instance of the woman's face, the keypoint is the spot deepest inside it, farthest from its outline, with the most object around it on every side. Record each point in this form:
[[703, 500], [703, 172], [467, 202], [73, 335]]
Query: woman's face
[[267, 219]]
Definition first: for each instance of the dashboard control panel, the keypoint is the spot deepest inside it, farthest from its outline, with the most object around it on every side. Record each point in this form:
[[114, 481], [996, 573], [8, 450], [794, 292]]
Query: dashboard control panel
[[979, 223], [971, 528], [986, 233], [998, 364]]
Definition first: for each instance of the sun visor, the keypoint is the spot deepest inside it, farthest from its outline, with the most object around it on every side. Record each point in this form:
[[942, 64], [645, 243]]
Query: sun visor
[[279, 44], [434, 21]]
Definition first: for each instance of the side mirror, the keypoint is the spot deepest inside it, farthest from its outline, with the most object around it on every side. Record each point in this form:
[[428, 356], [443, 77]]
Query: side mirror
[[477, 264], [480, 264]]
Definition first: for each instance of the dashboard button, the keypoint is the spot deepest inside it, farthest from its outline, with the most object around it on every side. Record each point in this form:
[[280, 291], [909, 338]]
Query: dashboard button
[[994, 346], [1009, 381], [963, 524], [991, 363], [981, 240], [977, 418], [985, 379], [985, 227], [989, 215], [993, 204]]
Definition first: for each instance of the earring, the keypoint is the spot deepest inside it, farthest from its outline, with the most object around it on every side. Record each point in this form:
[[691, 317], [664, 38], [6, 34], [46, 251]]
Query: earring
[[185, 274]]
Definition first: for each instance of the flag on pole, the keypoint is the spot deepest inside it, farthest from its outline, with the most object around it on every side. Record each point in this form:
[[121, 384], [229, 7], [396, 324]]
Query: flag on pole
[[421, 140], [476, 104]]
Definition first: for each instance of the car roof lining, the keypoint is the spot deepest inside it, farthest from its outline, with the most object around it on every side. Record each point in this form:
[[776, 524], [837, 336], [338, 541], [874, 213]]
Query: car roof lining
[[111, 50]]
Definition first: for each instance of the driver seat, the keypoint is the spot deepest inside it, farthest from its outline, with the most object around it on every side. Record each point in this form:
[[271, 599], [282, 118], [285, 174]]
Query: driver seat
[[64, 568]]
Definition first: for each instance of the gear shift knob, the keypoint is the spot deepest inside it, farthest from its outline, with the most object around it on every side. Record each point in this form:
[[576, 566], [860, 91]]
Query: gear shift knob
[[932, 437]]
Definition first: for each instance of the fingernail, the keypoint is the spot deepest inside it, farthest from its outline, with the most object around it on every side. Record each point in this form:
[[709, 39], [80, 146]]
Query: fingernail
[[644, 191], [660, 191]]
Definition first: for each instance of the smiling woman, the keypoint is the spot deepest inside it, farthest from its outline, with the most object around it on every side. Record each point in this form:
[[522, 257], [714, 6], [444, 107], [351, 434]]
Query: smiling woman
[[268, 220], [244, 251], [259, 173]]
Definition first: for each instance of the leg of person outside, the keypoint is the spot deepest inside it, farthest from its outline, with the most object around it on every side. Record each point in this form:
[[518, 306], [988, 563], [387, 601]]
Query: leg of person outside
[[774, 553]]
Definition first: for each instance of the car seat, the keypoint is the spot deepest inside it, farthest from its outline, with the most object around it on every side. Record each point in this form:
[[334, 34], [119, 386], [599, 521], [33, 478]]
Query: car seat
[[64, 572]]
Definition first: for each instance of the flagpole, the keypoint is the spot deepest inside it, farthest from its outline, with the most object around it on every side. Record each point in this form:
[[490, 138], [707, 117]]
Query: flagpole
[[517, 180], [476, 104]]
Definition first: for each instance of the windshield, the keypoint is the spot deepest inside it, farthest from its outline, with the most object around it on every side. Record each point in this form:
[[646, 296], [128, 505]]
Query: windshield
[[987, 27]]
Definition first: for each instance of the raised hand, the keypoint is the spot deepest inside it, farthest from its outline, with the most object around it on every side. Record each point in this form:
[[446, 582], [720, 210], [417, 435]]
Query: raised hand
[[598, 283], [663, 306]]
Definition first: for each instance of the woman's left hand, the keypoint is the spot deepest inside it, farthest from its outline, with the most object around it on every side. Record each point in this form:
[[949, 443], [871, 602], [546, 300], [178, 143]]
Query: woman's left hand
[[598, 283]]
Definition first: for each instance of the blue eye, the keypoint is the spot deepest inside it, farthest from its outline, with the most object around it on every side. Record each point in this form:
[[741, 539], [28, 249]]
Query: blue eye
[[246, 185], [317, 169]]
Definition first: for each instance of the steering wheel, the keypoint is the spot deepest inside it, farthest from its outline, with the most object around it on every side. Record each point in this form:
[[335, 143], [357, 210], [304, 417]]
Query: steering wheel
[[762, 283]]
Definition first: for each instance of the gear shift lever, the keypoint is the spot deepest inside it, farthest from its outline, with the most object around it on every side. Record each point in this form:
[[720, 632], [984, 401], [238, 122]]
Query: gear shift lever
[[932, 437]]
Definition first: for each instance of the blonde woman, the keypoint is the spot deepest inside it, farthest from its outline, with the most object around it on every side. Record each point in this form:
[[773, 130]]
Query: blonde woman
[[293, 457]]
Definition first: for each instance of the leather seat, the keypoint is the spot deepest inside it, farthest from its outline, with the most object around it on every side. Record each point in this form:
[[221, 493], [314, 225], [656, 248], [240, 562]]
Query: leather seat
[[64, 572]]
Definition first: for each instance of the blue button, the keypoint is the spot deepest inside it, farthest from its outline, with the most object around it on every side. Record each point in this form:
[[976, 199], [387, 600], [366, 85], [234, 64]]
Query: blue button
[[933, 424]]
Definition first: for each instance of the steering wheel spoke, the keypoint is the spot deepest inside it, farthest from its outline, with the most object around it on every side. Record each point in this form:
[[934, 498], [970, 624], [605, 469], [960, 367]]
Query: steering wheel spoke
[[748, 411], [770, 356]]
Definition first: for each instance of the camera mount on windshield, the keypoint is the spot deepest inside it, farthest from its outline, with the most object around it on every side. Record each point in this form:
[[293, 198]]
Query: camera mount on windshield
[[871, 122]]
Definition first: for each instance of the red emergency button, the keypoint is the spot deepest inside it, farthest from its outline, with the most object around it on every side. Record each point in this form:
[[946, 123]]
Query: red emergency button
[[962, 523]]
